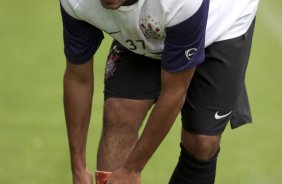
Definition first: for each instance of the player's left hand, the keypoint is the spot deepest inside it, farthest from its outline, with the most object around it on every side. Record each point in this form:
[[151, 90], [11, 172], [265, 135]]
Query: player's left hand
[[123, 176]]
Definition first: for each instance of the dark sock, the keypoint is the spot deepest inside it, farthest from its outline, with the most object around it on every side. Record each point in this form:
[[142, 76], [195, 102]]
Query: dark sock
[[190, 170]]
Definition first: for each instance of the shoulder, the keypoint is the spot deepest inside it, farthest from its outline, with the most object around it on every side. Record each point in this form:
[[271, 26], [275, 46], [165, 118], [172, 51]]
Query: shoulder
[[80, 8], [69, 6], [177, 11]]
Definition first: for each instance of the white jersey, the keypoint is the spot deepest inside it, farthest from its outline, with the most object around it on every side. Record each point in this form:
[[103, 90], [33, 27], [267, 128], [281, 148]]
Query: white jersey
[[229, 19], [145, 20], [164, 29]]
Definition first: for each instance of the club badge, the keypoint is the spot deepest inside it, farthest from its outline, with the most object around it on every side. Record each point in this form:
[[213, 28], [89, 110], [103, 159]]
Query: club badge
[[151, 28]]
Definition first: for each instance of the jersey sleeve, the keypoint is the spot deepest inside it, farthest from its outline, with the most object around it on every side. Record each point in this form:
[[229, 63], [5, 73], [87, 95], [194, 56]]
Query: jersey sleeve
[[185, 42], [81, 39]]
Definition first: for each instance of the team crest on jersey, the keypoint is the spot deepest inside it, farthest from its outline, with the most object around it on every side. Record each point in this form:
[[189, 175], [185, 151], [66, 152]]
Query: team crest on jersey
[[151, 28]]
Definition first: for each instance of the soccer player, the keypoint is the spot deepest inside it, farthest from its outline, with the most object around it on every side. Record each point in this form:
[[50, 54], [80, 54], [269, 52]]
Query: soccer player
[[168, 55]]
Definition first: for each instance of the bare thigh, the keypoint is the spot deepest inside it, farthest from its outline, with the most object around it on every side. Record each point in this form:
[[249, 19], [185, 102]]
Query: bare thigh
[[121, 122]]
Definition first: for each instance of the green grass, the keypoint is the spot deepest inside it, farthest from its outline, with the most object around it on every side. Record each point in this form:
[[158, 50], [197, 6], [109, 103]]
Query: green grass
[[33, 142]]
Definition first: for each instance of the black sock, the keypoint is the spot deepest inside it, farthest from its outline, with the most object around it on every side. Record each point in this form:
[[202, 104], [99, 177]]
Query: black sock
[[190, 170]]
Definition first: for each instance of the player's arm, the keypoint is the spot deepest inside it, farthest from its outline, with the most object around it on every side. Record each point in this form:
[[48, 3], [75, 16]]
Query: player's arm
[[164, 113], [81, 40], [184, 50], [78, 91]]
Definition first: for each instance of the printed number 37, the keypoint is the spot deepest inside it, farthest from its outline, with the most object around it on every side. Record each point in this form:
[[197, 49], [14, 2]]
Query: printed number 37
[[133, 45]]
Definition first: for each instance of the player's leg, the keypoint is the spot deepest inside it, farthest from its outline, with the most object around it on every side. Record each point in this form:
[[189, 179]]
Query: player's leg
[[132, 84], [121, 122], [216, 95], [197, 160]]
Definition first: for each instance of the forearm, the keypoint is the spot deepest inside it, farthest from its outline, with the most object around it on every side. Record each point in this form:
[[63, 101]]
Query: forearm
[[158, 125], [77, 104]]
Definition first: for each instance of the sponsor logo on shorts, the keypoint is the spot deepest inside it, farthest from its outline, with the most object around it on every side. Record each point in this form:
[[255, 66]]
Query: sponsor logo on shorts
[[110, 66], [190, 52], [217, 116]]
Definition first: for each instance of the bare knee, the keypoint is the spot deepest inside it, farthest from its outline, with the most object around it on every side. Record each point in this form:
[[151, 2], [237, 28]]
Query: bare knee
[[202, 147]]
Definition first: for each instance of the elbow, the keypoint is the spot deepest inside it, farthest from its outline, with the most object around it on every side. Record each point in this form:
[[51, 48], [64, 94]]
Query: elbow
[[79, 73], [176, 97], [78, 78]]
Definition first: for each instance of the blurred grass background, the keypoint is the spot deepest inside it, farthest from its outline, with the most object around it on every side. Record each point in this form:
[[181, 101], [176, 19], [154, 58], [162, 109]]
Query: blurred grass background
[[33, 142]]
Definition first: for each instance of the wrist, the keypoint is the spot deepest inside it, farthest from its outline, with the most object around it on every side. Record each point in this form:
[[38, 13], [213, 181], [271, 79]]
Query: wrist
[[78, 166], [78, 171]]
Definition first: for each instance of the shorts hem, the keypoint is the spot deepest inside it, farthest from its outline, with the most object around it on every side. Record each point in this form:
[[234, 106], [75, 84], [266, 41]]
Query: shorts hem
[[204, 132], [130, 96], [237, 124]]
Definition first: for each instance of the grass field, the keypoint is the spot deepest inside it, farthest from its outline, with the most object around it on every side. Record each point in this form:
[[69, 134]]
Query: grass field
[[33, 143]]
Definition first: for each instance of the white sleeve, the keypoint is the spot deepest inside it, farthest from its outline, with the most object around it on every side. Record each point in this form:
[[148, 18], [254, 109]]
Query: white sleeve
[[181, 10], [69, 7]]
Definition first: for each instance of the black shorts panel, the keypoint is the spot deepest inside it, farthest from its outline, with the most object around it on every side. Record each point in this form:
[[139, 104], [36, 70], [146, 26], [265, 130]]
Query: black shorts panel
[[132, 76], [217, 92]]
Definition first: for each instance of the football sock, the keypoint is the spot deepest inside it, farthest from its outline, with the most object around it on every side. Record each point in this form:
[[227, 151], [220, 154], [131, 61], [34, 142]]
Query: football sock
[[191, 170], [102, 176]]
